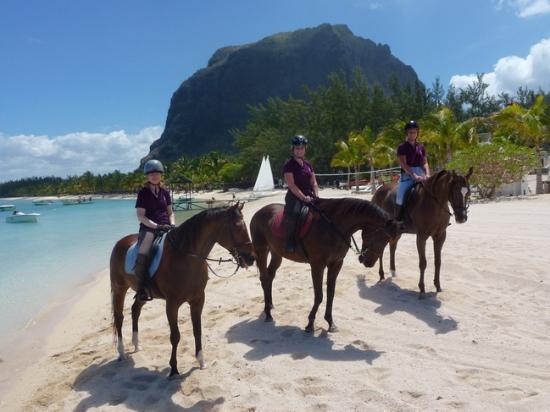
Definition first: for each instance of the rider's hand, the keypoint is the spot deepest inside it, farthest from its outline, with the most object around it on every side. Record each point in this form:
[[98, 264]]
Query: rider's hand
[[163, 228], [308, 199]]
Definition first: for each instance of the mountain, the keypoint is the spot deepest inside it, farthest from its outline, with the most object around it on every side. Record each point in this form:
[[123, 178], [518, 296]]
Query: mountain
[[215, 99]]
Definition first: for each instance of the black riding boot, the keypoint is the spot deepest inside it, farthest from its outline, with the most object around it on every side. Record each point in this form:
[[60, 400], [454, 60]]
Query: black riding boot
[[290, 226], [142, 275], [398, 212]]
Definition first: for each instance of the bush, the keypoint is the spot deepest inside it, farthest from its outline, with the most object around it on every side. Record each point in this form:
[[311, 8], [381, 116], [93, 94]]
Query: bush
[[494, 164]]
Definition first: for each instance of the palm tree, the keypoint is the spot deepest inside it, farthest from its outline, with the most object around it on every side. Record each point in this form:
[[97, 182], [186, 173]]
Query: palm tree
[[349, 155], [531, 126], [376, 151]]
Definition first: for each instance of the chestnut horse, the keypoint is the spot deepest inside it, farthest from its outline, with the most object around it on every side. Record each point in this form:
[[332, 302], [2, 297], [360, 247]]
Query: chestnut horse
[[429, 216], [324, 245], [182, 273]]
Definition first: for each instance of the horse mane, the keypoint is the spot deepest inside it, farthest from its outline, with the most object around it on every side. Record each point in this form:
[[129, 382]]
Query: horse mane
[[350, 205], [183, 236]]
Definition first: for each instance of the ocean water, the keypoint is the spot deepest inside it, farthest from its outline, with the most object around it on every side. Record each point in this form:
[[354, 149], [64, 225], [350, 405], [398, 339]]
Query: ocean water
[[41, 261]]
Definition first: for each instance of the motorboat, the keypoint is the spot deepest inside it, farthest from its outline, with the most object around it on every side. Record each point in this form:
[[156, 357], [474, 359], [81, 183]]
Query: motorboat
[[7, 208], [81, 200], [42, 202], [20, 217]]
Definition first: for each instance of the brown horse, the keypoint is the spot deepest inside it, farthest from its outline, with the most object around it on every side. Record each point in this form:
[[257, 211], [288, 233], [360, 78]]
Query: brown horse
[[182, 273], [429, 216], [324, 246]]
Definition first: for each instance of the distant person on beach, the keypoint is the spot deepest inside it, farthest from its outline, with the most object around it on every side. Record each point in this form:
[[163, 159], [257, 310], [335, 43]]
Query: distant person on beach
[[414, 164], [302, 187], [155, 215]]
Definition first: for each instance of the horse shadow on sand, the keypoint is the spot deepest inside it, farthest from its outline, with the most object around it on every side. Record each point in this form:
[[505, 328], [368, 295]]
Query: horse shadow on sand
[[112, 383], [392, 298], [267, 339]]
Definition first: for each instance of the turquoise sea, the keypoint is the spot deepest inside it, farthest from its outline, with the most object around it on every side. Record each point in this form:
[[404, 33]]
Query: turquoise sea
[[42, 261]]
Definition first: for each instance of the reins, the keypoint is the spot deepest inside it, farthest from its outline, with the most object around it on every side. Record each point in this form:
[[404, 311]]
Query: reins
[[336, 229]]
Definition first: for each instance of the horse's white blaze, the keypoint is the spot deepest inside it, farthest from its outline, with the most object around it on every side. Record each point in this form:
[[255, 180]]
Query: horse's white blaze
[[464, 190], [120, 348], [200, 358], [135, 341]]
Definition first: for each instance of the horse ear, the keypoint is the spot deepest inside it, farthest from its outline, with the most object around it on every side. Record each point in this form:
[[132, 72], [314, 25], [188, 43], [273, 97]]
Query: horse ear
[[470, 171], [240, 205]]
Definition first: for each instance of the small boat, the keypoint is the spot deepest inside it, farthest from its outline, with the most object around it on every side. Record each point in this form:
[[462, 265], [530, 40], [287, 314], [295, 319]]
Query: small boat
[[42, 202], [20, 217], [7, 208], [81, 200]]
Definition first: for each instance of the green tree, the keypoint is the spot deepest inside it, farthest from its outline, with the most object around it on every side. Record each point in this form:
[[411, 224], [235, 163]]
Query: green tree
[[530, 126], [494, 164]]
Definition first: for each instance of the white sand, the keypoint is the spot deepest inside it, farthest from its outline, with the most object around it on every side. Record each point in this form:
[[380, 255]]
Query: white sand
[[481, 344]]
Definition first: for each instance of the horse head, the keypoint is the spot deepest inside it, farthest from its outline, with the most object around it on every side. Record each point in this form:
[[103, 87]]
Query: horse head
[[375, 240], [459, 195], [237, 239]]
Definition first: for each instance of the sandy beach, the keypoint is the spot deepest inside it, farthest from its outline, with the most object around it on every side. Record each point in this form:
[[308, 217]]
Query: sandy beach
[[481, 344]]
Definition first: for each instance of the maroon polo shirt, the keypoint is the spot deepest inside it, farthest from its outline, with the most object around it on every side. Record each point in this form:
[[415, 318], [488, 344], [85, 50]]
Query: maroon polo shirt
[[415, 154], [156, 207], [302, 175]]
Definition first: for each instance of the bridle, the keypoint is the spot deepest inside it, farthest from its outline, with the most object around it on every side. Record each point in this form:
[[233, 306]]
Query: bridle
[[463, 209], [234, 251]]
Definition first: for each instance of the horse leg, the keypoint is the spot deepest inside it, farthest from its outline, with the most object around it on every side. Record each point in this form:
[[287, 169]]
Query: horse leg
[[136, 311], [196, 312], [317, 278], [332, 273], [438, 245], [267, 282], [393, 247], [172, 315], [381, 266], [421, 247], [117, 307]]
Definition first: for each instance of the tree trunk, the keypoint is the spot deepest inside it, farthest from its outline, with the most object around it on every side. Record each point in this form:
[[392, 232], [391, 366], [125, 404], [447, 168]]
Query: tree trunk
[[538, 171], [372, 179]]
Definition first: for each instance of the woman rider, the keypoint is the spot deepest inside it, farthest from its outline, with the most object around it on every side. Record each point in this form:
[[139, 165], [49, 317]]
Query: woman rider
[[154, 213], [413, 162], [302, 187]]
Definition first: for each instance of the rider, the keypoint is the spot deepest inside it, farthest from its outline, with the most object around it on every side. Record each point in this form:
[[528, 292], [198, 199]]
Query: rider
[[302, 187], [413, 162], [155, 215]]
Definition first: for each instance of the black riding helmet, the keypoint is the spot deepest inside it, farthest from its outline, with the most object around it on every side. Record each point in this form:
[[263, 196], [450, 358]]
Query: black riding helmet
[[152, 166], [299, 140], [411, 124]]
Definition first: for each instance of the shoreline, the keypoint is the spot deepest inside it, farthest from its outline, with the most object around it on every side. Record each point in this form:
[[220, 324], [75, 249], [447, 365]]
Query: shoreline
[[31, 343]]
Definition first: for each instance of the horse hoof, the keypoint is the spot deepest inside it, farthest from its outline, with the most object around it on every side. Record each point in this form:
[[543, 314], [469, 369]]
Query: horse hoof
[[268, 318], [333, 328], [392, 273], [200, 358], [121, 358], [438, 289], [309, 329], [174, 375]]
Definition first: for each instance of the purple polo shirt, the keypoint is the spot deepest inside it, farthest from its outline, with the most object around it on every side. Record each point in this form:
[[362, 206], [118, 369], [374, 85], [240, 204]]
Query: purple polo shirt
[[156, 208], [302, 175], [416, 155]]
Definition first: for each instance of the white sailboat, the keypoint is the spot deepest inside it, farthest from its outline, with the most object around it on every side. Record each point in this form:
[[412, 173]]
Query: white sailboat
[[264, 181]]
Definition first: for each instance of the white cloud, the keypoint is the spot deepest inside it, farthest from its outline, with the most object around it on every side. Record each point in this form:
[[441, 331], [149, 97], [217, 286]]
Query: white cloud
[[74, 153], [526, 8], [512, 72]]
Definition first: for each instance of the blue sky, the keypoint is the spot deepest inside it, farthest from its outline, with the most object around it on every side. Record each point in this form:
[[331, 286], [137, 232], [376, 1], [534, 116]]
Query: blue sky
[[86, 85]]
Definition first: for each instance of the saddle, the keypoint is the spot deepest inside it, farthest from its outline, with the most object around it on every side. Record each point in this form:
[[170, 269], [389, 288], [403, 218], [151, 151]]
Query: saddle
[[302, 225], [155, 254]]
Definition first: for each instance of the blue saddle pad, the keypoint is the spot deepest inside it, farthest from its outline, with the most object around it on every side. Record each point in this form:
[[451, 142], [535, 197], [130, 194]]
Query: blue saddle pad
[[131, 256]]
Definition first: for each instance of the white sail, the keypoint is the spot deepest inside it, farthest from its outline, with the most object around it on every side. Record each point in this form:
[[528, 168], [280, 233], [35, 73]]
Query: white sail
[[264, 181]]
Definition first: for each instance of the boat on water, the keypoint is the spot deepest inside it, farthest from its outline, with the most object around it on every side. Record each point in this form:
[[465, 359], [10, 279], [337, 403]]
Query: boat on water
[[7, 208], [81, 200], [42, 202], [20, 217]]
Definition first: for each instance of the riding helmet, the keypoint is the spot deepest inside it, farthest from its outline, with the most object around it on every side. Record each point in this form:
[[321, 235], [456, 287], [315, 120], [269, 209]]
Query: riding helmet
[[299, 140], [411, 124], [152, 166]]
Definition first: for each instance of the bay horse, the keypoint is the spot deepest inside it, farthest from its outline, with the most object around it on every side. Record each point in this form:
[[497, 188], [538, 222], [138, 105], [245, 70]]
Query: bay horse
[[324, 245], [429, 215], [183, 272]]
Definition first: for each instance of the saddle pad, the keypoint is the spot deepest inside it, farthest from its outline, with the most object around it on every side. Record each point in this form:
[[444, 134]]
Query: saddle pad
[[278, 229], [131, 256]]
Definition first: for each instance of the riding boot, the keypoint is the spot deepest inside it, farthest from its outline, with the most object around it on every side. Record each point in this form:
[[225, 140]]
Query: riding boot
[[290, 226], [398, 213], [142, 276]]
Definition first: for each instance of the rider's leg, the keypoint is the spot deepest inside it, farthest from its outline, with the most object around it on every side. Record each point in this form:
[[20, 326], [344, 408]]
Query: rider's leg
[[142, 265], [292, 210]]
